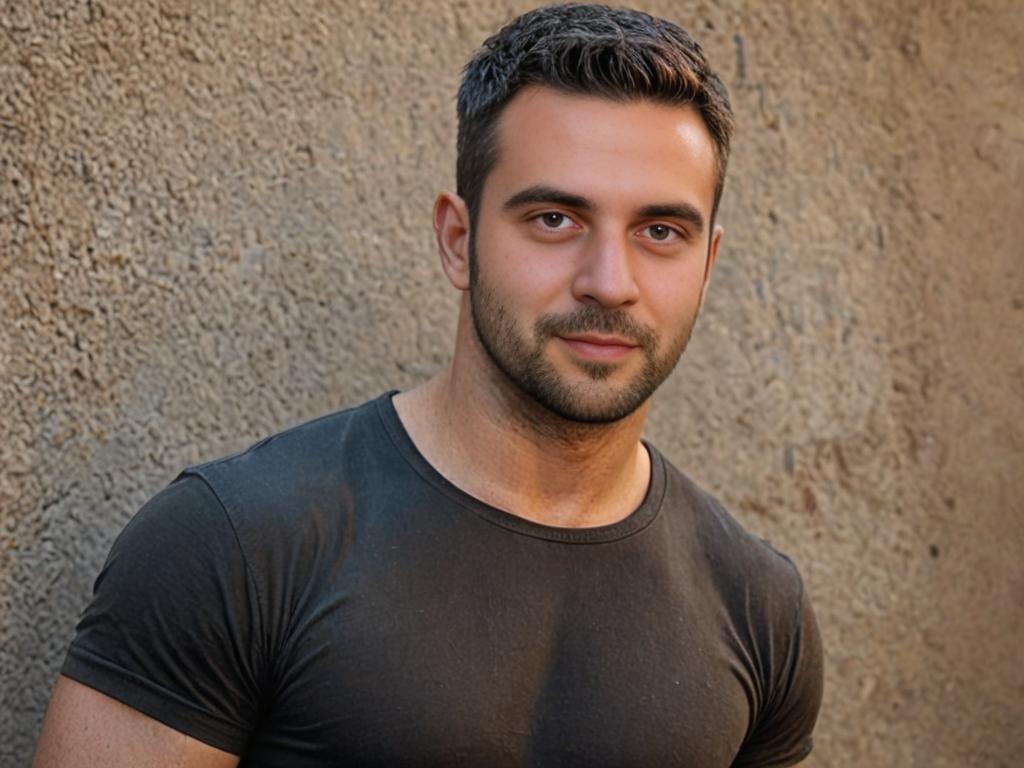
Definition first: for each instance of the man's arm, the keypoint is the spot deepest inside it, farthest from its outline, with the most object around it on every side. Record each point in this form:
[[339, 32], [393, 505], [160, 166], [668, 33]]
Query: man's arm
[[782, 735], [86, 728], [172, 631]]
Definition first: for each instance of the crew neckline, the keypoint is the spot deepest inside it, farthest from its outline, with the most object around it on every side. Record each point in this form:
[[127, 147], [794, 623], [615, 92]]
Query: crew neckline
[[633, 523]]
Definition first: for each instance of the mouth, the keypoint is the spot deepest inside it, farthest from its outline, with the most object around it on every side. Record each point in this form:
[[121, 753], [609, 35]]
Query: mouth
[[599, 347]]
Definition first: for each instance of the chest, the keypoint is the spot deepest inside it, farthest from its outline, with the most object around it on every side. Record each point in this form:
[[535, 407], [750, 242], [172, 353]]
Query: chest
[[412, 657]]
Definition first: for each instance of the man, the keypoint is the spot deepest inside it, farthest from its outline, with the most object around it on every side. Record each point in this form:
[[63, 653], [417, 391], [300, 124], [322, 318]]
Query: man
[[491, 569]]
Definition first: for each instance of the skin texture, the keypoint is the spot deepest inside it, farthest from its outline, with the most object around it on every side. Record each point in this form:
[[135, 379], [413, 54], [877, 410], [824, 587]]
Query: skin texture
[[600, 341], [595, 219], [592, 254], [85, 728], [633, 276]]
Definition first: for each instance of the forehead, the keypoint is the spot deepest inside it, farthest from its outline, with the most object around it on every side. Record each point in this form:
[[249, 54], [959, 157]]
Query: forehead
[[623, 152]]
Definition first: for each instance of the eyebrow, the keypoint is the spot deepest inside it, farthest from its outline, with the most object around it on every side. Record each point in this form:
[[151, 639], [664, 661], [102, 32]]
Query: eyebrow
[[682, 211], [544, 194]]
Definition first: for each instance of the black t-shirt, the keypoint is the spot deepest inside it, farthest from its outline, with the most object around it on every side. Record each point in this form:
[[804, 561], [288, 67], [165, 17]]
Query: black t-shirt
[[328, 598]]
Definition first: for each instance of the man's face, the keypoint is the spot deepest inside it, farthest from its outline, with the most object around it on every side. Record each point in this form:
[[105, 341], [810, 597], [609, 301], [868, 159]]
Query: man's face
[[592, 249]]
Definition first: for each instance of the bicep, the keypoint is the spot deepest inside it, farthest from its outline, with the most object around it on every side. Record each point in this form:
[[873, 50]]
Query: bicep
[[84, 727]]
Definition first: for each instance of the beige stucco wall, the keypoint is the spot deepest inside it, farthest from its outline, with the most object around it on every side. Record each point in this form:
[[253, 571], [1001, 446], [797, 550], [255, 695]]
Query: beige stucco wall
[[214, 222]]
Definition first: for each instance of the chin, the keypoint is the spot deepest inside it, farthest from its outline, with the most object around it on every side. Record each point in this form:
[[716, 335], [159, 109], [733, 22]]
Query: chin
[[588, 402]]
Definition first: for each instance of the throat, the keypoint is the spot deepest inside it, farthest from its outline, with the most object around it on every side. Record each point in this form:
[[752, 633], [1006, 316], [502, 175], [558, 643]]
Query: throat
[[584, 476]]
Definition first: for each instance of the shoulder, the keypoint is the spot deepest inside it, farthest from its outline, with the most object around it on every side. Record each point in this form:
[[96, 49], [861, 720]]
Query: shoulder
[[303, 456], [290, 498], [301, 477], [741, 564], [756, 590], [767, 622]]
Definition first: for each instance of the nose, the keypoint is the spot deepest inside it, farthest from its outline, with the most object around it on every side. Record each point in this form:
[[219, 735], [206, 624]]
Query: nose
[[605, 274]]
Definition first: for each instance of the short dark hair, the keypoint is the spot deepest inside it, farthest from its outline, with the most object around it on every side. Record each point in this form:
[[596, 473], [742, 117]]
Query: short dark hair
[[613, 53]]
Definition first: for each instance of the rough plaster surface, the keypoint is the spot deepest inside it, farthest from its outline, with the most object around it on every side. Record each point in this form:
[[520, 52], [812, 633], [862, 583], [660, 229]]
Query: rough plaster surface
[[214, 222]]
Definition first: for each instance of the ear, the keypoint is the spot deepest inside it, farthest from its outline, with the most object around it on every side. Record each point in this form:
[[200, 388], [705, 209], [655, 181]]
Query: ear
[[451, 228], [716, 239]]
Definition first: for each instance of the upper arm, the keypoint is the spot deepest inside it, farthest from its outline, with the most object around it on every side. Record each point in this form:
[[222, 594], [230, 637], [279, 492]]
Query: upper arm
[[173, 629], [84, 727], [782, 736]]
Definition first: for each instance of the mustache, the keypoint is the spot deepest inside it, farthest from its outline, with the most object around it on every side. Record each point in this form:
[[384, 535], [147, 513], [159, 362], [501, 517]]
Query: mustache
[[595, 320]]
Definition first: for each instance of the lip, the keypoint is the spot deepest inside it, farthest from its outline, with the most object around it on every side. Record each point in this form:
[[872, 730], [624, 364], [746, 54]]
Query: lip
[[602, 347]]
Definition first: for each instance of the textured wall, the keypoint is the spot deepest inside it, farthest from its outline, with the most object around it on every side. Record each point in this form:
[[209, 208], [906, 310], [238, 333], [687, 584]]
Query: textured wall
[[215, 223]]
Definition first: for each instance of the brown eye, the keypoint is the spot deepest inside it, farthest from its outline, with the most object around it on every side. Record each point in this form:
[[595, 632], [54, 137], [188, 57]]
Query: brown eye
[[661, 233], [553, 220]]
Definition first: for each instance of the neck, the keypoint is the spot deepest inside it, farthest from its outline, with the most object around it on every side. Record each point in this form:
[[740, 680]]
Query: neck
[[496, 443]]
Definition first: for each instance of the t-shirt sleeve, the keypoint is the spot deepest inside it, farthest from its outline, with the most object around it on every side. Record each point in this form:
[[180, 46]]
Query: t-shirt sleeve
[[782, 734], [173, 629]]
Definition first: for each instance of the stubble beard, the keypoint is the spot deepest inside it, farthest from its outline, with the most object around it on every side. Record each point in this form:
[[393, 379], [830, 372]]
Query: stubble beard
[[521, 360]]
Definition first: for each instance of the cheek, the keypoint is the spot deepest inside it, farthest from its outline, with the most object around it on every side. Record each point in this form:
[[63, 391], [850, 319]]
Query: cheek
[[673, 296], [529, 277]]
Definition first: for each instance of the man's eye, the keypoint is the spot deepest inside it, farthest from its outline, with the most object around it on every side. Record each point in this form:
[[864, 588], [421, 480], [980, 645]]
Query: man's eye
[[554, 220], [661, 233]]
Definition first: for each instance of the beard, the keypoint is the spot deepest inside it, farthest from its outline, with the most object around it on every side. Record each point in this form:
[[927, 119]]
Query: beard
[[592, 400]]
